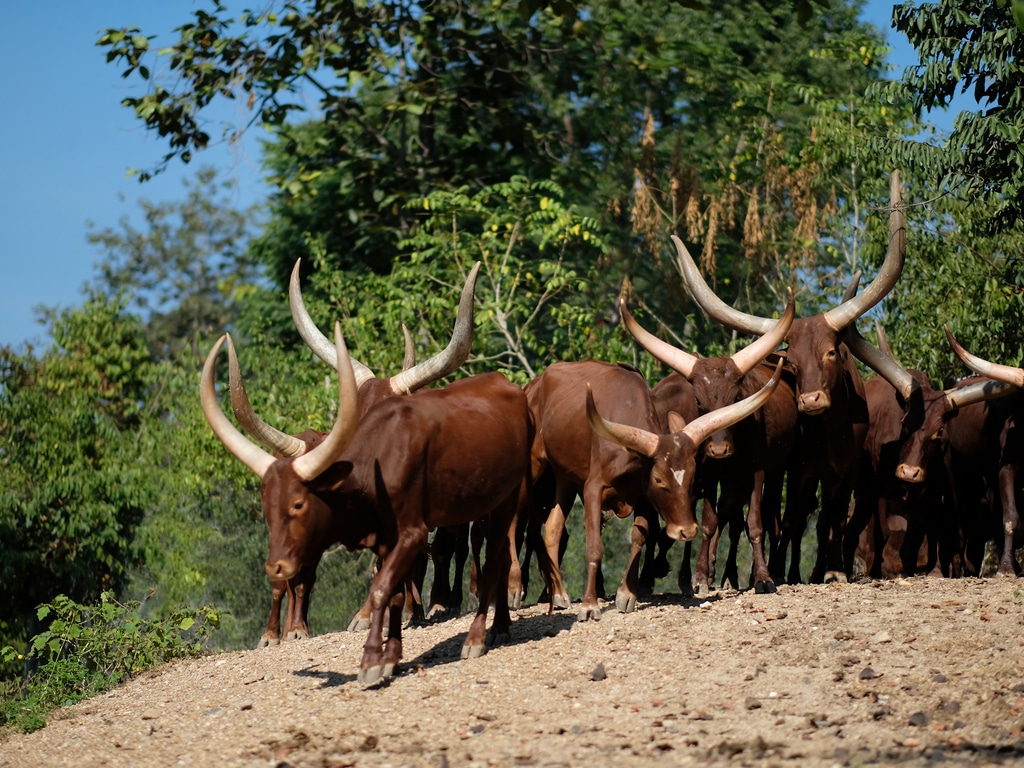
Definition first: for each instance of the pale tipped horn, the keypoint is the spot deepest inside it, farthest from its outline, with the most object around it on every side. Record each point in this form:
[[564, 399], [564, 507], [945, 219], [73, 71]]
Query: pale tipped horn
[[311, 465], [704, 426], [675, 358], [633, 438], [451, 357], [315, 340], [977, 391], [840, 317], [998, 371], [755, 352], [409, 360], [884, 365], [281, 442], [254, 457], [710, 303]]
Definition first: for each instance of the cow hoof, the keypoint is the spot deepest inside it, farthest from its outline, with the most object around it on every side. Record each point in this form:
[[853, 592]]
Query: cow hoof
[[496, 638], [297, 635], [515, 601], [586, 614], [440, 613], [835, 577], [371, 675], [701, 590], [358, 625], [473, 651], [561, 602], [266, 642], [765, 588], [625, 602]]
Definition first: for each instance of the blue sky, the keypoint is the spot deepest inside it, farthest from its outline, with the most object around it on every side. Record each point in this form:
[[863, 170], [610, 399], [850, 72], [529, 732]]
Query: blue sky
[[67, 145]]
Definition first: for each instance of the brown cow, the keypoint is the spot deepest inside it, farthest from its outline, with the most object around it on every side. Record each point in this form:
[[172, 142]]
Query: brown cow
[[830, 398], [740, 458], [371, 390], [919, 450], [984, 448], [896, 515], [585, 413], [382, 482]]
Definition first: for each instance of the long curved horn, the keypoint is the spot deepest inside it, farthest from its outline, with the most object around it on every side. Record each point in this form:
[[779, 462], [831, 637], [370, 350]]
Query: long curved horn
[[883, 341], [281, 442], [998, 371], [988, 389], [634, 438], [451, 357], [311, 465], [316, 341], [704, 426], [710, 303], [409, 360], [884, 365], [675, 358], [840, 317], [758, 350], [254, 457]]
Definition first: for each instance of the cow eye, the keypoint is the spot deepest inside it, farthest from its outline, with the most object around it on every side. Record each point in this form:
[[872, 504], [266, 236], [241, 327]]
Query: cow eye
[[298, 504]]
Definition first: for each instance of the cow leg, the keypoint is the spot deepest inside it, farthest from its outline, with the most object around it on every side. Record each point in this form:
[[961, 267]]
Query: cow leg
[[1008, 565], [731, 514], [762, 580], [629, 590], [393, 644], [554, 528], [272, 632], [828, 565], [300, 591], [476, 545], [705, 573], [442, 550], [592, 494], [493, 586], [414, 592], [384, 591], [516, 538]]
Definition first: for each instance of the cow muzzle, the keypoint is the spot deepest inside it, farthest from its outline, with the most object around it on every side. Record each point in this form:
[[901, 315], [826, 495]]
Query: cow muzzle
[[910, 474], [814, 403], [682, 532], [280, 570], [718, 449]]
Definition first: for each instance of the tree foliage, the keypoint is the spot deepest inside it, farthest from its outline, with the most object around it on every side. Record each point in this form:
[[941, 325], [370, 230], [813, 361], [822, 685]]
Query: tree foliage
[[187, 267], [73, 487], [968, 51]]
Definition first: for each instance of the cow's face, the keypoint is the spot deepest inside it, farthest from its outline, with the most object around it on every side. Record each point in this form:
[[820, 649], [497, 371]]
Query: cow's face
[[924, 443], [716, 384], [670, 484], [815, 351], [299, 516]]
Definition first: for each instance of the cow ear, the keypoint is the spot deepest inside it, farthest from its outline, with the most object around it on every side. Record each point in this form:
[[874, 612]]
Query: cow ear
[[675, 422], [335, 476]]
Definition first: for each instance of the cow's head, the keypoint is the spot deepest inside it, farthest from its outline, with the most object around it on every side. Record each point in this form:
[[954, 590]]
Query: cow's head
[[926, 411], [295, 489], [815, 343], [674, 456], [717, 381]]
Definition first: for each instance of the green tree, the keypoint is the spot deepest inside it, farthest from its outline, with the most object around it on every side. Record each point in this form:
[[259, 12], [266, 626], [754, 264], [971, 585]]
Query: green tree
[[970, 50], [73, 486], [187, 268]]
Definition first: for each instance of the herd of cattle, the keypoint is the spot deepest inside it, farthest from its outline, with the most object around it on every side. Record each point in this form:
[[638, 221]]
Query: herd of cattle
[[931, 473]]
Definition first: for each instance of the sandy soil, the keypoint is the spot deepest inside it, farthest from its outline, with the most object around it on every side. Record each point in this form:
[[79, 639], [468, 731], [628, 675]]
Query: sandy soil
[[919, 671]]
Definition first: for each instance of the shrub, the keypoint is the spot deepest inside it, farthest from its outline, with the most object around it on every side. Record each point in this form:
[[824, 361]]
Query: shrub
[[89, 649]]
